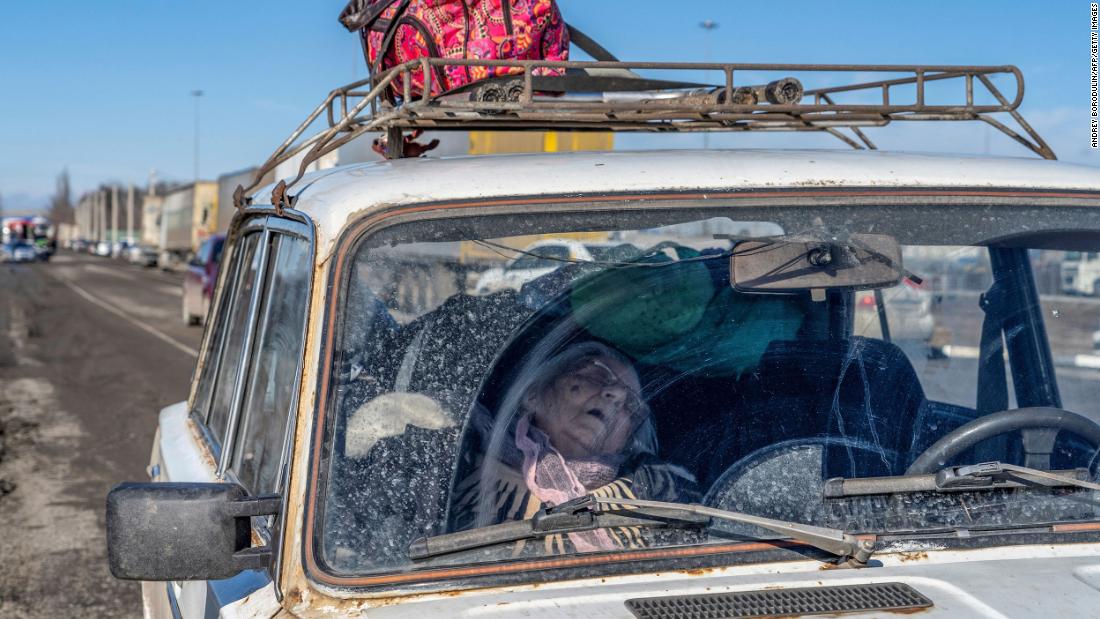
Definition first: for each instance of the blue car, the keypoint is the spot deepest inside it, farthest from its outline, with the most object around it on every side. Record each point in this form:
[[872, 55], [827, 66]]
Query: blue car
[[18, 252]]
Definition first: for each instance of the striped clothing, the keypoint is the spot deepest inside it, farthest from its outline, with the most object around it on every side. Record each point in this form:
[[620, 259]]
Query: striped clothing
[[511, 500]]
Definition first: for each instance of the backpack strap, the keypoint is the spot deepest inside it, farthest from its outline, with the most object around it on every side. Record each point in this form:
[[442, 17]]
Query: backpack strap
[[360, 14], [589, 45]]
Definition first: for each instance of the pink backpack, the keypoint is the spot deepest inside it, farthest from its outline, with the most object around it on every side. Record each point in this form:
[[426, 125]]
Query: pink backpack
[[397, 31]]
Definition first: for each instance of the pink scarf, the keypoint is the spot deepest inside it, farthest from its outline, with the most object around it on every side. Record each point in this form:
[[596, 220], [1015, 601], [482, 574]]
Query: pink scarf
[[551, 479]]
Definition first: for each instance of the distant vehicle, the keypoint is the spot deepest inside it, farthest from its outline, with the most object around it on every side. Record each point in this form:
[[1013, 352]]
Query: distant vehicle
[[37, 232], [1081, 273], [17, 252], [145, 255], [537, 259], [102, 248], [120, 249], [187, 217], [908, 314], [198, 281]]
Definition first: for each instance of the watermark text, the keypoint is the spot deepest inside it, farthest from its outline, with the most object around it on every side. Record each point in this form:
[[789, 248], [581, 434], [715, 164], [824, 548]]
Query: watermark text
[[1094, 35]]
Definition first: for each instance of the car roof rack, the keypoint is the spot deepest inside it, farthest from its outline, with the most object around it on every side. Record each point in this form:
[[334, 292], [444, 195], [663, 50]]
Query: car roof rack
[[542, 95]]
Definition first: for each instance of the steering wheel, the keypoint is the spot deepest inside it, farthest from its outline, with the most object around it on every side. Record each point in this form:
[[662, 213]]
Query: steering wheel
[[1039, 427], [782, 480]]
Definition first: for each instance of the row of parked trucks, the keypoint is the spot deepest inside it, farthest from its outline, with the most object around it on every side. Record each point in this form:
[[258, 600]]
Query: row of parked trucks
[[174, 224]]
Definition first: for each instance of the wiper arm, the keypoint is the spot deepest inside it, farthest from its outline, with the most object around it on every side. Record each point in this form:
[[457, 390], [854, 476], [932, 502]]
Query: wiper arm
[[589, 512], [984, 476], [834, 541], [575, 516]]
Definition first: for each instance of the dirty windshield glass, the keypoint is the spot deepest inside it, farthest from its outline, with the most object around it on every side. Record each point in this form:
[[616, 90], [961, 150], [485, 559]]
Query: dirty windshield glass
[[481, 375]]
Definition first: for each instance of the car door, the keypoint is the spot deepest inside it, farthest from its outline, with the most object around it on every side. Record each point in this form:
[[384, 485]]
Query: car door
[[235, 427]]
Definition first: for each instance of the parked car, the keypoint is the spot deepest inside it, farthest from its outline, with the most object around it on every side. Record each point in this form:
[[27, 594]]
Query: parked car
[[198, 280], [691, 429], [18, 252], [145, 255], [536, 260], [120, 249], [102, 248], [908, 314]]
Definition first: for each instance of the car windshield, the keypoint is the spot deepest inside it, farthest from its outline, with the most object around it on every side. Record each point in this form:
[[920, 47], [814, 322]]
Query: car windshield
[[642, 372]]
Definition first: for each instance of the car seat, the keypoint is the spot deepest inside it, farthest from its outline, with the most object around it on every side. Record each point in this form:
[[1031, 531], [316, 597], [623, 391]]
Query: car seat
[[861, 390]]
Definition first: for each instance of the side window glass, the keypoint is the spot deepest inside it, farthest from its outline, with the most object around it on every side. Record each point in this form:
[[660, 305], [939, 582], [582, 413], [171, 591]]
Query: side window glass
[[235, 320], [217, 337], [273, 373]]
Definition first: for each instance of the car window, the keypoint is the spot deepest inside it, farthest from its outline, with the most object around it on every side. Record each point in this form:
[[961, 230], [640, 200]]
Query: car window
[[245, 248], [235, 322], [273, 372], [651, 376], [423, 387]]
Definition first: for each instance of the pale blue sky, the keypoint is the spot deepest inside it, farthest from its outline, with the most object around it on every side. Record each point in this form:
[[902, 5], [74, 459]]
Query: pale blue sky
[[103, 87]]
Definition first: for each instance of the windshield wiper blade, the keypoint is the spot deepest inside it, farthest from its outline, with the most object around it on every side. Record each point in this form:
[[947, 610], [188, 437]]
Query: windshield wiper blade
[[844, 545], [588, 512], [575, 516], [984, 476]]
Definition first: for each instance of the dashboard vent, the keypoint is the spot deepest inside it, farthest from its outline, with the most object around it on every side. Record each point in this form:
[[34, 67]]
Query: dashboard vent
[[892, 596]]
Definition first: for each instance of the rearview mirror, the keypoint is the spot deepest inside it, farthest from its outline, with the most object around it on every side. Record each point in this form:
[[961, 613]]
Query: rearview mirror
[[183, 531], [861, 262]]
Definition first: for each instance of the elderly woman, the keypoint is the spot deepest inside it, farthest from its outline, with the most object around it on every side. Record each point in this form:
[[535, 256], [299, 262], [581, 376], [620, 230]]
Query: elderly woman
[[573, 425]]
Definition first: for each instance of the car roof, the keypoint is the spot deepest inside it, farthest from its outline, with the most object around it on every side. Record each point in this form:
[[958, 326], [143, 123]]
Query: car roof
[[337, 197]]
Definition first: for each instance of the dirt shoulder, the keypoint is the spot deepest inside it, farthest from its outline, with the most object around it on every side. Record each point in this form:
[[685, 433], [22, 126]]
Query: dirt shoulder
[[79, 394]]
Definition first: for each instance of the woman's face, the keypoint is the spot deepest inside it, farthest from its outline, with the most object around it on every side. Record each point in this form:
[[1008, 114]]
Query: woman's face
[[591, 410]]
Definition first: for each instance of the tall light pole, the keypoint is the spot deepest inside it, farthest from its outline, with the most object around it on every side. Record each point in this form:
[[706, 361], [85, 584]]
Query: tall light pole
[[708, 26], [197, 94]]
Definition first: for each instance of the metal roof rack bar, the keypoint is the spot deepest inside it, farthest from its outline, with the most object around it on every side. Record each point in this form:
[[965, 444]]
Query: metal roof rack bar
[[537, 97]]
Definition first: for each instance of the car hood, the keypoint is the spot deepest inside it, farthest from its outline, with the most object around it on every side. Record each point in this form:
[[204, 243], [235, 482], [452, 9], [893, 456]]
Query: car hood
[[1018, 581]]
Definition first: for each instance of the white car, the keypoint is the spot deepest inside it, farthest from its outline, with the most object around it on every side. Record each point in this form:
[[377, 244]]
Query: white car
[[536, 260], [908, 313], [700, 433], [144, 255]]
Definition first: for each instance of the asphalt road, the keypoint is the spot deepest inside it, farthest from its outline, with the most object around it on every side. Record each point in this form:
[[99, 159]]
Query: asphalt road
[[90, 350]]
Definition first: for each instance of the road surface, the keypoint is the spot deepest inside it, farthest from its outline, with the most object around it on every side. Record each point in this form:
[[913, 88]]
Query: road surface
[[90, 350]]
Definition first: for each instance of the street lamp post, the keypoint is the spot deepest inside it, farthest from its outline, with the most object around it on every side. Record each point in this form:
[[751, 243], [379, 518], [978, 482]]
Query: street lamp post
[[708, 26], [197, 94]]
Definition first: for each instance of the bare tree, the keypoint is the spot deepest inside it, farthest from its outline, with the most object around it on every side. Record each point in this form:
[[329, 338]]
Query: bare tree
[[61, 204]]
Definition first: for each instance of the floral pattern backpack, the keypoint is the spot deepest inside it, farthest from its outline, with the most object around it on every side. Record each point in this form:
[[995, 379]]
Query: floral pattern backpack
[[397, 31]]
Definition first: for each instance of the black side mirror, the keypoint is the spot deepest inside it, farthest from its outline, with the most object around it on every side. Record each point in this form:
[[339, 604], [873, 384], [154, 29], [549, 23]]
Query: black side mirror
[[184, 531]]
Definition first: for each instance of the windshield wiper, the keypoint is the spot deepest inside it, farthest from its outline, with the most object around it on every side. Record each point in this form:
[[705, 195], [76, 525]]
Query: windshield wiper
[[984, 476], [588, 512]]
